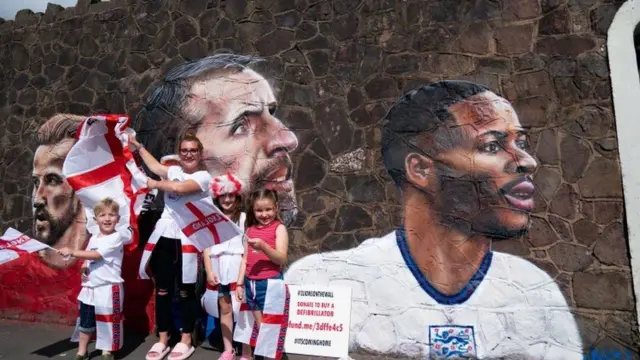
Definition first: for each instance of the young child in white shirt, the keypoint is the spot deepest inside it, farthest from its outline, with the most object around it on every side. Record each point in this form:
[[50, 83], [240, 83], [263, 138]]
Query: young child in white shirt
[[101, 297]]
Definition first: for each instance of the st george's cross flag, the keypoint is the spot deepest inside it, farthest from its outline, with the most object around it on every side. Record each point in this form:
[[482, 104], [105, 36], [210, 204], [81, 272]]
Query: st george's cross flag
[[100, 165], [269, 337], [14, 244], [200, 220], [201, 224]]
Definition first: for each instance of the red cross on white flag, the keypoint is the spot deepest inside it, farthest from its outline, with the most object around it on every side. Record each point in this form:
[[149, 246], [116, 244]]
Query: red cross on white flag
[[201, 221], [101, 165], [14, 244], [269, 337]]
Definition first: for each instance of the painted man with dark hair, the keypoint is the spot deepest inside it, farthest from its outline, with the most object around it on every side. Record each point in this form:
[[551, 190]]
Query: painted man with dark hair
[[45, 283], [231, 109], [434, 288], [59, 219]]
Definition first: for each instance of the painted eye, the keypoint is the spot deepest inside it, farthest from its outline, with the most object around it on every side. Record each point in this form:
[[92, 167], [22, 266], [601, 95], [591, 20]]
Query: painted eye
[[523, 144], [492, 147], [242, 127], [52, 179]]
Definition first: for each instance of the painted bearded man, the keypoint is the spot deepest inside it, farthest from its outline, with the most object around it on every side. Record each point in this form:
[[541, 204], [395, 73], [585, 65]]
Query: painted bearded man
[[45, 282], [231, 109], [59, 219], [434, 288]]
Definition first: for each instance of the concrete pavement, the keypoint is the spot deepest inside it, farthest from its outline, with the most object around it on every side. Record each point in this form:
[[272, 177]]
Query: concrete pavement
[[34, 341]]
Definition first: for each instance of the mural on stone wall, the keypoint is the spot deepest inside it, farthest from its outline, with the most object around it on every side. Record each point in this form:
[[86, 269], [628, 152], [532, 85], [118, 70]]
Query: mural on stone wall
[[239, 129], [496, 211], [461, 159], [240, 135], [46, 282]]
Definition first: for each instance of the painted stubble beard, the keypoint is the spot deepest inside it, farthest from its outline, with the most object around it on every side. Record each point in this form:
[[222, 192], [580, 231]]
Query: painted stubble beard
[[57, 226], [468, 203], [287, 199]]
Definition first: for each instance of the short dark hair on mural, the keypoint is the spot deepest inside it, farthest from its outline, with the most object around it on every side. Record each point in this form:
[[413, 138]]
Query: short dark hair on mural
[[421, 111], [58, 128], [163, 119]]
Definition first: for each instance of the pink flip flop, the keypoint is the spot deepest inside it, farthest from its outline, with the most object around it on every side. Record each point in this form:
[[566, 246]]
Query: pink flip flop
[[159, 348], [181, 352]]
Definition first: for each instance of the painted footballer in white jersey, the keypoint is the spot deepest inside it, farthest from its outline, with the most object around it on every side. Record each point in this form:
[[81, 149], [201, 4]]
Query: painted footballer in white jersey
[[509, 309]]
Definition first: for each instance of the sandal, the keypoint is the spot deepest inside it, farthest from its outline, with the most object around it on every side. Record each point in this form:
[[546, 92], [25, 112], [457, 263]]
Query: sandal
[[159, 349], [82, 357], [181, 351], [228, 355], [107, 357]]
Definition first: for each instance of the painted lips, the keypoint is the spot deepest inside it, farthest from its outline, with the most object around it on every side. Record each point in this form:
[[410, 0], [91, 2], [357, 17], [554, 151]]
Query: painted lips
[[519, 194], [41, 220], [279, 180]]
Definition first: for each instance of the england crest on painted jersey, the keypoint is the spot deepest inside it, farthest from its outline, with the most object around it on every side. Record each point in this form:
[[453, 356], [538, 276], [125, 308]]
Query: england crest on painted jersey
[[452, 342]]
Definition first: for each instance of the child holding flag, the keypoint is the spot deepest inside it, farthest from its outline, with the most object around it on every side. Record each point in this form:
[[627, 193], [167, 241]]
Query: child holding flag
[[222, 262], [102, 293]]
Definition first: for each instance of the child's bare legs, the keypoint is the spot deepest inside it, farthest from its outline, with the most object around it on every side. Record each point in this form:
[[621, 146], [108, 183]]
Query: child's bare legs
[[226, 322], [83, 342]]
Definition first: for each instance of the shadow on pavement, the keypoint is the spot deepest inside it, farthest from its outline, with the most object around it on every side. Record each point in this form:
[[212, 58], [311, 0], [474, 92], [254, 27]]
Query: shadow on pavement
[[133, 341], [56, 348]]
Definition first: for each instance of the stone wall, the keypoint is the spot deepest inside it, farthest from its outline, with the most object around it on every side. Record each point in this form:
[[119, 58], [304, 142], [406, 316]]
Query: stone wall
[[337, 67]]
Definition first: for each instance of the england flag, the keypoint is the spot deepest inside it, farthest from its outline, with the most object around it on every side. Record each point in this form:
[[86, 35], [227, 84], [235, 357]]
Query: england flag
[[269, 337], [14, 244], [101, 165], [201, 221]]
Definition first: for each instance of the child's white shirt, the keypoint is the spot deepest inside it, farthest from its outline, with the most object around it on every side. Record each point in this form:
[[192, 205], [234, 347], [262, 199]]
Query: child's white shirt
[[106, 271]]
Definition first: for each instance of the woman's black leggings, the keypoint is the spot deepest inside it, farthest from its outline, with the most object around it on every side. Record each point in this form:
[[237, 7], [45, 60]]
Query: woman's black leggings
[[166, 267]]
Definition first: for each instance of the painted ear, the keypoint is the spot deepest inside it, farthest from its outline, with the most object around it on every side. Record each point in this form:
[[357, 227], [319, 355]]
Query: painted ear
[[418, 168]]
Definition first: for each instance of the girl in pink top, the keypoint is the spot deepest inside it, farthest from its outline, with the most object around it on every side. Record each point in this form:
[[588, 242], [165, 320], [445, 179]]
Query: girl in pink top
[[264, 255]]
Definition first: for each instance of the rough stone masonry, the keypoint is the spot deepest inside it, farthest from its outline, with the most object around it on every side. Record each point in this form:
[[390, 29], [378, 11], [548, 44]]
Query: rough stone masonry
[[337, 66]]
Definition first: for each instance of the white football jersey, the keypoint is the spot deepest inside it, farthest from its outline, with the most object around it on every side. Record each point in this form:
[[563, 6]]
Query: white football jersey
[[510, 308]]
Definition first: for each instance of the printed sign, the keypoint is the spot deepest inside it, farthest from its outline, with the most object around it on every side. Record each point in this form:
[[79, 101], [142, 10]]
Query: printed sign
[[319, 320]]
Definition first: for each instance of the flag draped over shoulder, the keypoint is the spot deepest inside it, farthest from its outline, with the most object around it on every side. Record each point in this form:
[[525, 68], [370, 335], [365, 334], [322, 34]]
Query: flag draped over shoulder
[[101, 165], [14, 244]]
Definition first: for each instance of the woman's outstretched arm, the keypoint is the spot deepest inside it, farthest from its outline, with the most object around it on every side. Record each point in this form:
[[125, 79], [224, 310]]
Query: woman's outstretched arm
[[151, 162]]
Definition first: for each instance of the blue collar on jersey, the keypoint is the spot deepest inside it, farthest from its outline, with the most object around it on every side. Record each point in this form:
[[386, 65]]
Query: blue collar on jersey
[[459, 298]]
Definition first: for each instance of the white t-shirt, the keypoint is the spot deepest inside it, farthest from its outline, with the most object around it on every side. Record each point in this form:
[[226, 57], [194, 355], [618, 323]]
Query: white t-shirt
[[510, 308], [175, 173], [107, 270]]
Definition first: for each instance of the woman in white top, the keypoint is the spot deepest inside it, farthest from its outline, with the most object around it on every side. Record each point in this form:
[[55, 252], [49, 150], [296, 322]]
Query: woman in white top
[[167, 263], [222, 261]]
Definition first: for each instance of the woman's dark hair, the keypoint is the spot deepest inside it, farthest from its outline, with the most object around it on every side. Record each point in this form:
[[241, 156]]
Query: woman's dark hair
[[238, 210], [258, 195]]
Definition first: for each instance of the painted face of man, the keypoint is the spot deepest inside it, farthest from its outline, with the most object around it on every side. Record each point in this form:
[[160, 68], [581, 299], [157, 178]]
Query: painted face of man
[[483, 183], [241, 134], [55, 205]]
